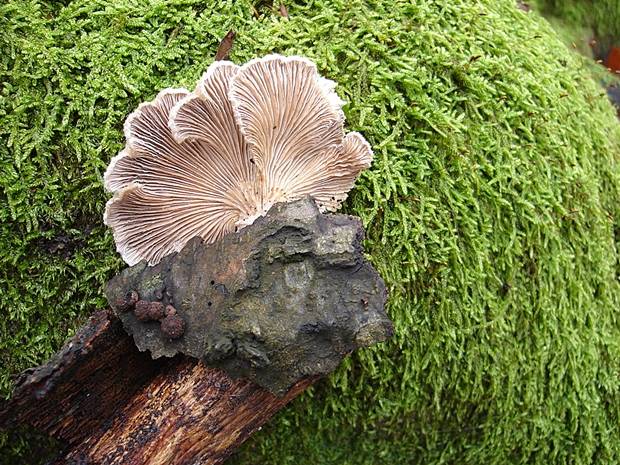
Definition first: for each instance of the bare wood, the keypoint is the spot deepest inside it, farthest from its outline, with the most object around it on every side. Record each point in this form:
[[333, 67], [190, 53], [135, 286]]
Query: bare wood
[[188, 414], [112, 404]]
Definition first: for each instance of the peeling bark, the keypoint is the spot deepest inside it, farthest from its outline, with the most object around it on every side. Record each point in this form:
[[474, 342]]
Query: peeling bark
[[287, 297]]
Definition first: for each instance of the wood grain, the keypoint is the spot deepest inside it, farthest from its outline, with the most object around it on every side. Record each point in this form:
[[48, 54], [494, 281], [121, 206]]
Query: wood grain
[[112, 404]]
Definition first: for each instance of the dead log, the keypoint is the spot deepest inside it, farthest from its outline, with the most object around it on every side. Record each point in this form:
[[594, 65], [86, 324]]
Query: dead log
[[268, 311], [95, 373], [112, 404]]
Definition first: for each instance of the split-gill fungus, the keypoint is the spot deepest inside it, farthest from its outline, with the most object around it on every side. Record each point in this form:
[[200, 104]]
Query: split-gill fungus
[[209, 162], [258, 150]]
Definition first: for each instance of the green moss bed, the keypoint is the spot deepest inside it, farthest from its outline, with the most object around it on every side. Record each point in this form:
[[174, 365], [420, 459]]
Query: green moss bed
[[492, 212]]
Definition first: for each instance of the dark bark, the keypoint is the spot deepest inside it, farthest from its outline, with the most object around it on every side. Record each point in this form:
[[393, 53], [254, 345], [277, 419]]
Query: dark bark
[[286, 298], [94, 374]]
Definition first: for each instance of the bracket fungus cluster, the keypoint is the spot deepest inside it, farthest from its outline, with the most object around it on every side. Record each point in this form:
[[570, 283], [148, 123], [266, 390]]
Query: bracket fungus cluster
[[209, 162]]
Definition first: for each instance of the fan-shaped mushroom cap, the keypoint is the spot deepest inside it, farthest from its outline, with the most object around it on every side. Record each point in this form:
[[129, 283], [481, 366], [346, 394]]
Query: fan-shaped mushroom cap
[[210, 162]]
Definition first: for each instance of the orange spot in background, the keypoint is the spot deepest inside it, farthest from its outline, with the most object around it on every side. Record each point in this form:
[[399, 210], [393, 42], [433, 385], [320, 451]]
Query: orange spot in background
[[613, 59]]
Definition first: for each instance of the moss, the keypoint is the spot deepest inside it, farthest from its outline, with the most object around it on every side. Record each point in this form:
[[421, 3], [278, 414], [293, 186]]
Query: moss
[[600, 17], [590, 28], [491, 212]]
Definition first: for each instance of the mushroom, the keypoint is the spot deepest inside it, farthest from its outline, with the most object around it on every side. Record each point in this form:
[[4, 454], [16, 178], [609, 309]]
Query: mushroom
[[209, 162]]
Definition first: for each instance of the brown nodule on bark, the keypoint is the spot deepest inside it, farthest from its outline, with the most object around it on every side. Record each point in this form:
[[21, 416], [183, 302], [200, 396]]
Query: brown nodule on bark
[[127, 302], [141, 310], [156, 311], [173, 326]]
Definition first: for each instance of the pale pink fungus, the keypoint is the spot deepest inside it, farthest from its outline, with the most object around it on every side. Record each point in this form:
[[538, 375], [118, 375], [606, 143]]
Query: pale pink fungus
[[210, 162]]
